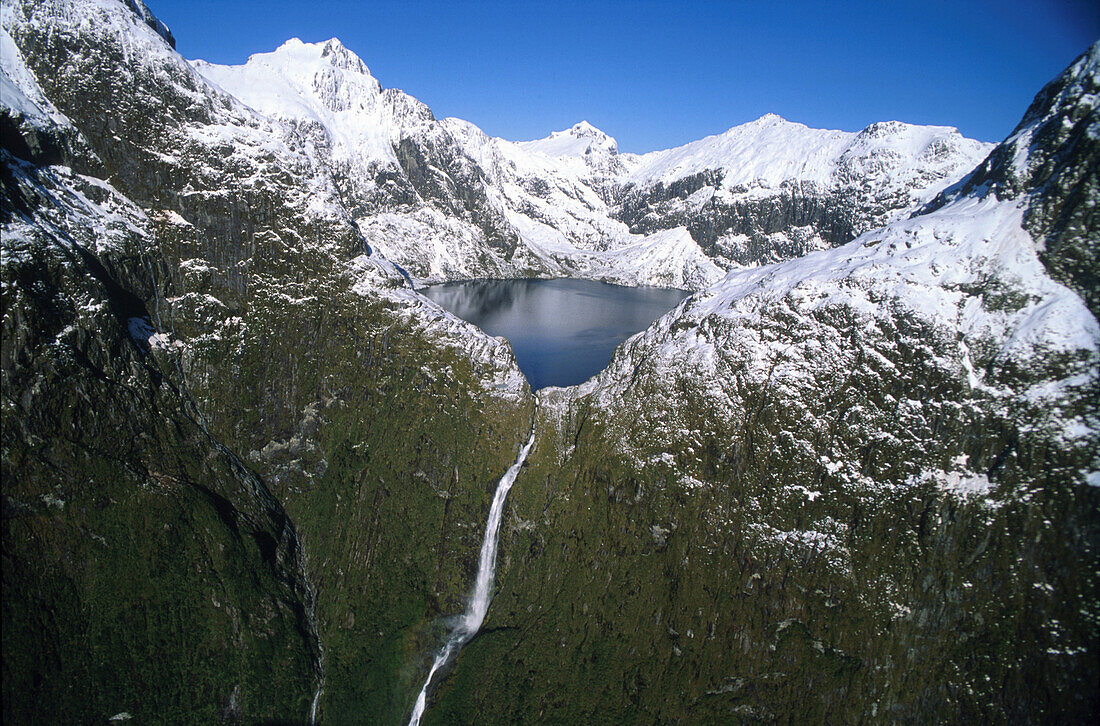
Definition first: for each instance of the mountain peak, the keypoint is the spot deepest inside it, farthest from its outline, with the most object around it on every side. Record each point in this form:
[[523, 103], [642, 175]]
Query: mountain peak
[[767, 121], [330, 52], [584, 128], [288, 45], [581, 139]]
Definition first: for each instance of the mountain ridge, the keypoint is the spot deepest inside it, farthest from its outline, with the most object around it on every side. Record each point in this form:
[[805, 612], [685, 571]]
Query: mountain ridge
[[580, 170]]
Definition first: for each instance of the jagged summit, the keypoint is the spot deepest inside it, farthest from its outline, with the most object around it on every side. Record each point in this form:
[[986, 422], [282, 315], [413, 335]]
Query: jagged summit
[[324, 83], [1063, 115], [767, 121], [331, 52], [302, 55]]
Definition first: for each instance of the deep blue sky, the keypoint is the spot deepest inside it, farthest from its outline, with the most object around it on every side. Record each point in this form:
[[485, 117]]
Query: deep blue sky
[[660, 74]]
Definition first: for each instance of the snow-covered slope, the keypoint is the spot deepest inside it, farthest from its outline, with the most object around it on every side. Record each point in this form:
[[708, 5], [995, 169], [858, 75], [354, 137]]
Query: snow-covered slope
[[767, 151], [582, 140], [324, 83], [967, 271], [414, 194]]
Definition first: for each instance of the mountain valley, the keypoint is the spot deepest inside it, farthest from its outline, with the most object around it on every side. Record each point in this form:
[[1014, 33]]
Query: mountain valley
[[247, 465]]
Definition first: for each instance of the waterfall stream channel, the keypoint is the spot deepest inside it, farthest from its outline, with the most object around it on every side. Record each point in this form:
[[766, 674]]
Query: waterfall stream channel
[[470, 621]]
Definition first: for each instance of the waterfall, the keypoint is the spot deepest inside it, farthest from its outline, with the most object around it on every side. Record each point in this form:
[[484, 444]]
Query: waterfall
[[313, 706], [471, 620]]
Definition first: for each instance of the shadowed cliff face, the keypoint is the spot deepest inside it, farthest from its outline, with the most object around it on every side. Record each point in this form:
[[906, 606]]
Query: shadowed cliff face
[[1051, 156], [790, 223], [134, 543]]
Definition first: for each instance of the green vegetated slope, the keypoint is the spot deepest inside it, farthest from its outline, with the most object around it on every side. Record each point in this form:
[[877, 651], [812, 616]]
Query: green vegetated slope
[[819, 498], [712, 588], [381, 430]]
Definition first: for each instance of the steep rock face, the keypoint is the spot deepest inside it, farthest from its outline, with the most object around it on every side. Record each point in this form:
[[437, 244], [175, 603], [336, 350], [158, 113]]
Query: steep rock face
[[134, 542], [558, 205], [379, 421], [861, 485]]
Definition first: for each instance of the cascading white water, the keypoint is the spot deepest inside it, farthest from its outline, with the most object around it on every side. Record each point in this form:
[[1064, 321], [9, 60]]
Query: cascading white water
[[313, 707], [478, 605]]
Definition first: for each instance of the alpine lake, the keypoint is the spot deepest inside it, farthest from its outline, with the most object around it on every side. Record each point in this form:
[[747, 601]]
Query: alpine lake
[[563, 331]]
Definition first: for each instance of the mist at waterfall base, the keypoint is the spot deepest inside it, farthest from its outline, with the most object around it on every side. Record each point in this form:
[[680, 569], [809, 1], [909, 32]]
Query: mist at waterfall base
[[563, 332]]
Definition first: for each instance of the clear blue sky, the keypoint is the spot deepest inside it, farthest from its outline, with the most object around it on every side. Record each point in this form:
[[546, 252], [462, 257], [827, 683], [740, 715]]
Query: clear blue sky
[[660, 74]]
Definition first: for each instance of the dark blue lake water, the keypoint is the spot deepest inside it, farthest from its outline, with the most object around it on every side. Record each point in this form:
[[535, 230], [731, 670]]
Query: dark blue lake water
[[563, 331]]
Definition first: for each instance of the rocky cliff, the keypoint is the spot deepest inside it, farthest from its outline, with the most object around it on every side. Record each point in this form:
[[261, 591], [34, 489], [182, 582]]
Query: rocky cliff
[[134, 542]]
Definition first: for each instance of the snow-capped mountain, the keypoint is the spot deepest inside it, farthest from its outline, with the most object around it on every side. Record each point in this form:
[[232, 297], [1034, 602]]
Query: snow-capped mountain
[[593, 154], [441, 199], [445, 201], [772, 189], [416, 197]]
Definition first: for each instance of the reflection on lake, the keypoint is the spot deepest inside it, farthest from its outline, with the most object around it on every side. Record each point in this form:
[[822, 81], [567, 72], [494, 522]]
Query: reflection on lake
[[563, 331]]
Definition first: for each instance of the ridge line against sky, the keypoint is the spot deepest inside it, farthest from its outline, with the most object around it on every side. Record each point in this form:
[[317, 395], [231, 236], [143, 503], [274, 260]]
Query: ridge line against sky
[[655, 75]]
